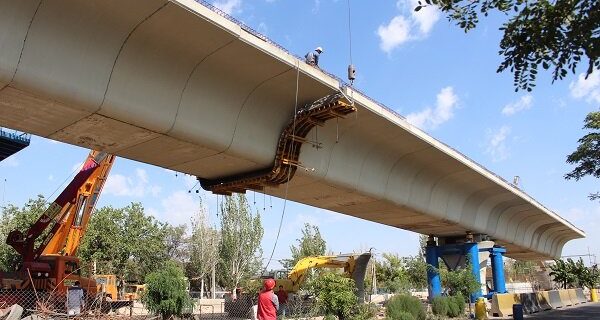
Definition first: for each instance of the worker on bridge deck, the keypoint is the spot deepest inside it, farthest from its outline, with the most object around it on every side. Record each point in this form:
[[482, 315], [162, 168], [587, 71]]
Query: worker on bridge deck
[[312, 57]]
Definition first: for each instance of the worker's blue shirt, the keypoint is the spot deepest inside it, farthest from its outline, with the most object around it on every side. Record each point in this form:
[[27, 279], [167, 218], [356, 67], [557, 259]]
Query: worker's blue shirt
[[312, 58]]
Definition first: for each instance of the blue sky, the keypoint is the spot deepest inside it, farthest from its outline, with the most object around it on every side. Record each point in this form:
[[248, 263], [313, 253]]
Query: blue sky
[[419, 64]]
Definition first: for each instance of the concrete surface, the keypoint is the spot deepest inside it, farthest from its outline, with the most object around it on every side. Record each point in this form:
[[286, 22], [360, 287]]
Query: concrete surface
[[174, 84]]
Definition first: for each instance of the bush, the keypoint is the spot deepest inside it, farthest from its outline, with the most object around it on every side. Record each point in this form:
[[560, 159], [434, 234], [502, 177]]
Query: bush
[[335, 294], [459, 300], [165, 292], [453, 309], [403, 315], [329, 317], [404, 303], [439, 305], [364, 311]]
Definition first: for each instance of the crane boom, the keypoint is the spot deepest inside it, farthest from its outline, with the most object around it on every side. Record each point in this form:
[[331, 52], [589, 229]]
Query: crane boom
[[68, 214]]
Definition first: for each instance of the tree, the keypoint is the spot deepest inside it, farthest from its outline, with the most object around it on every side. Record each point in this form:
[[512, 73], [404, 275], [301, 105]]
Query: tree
[[335, 294], [204, 248], [587, 155], [125, 242], [554, 35], [416, 271], [176, 243], [21, 219], [310, 244], [391, 274], [165, 292], [562, 272], [241, 233]]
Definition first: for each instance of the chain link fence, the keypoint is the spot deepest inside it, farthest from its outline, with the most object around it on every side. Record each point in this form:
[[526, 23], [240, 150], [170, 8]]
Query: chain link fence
[[56, 305]]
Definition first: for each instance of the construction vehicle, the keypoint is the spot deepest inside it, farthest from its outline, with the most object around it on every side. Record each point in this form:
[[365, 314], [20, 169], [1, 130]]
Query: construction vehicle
[[108, 284], [48, 248], [353, 265]]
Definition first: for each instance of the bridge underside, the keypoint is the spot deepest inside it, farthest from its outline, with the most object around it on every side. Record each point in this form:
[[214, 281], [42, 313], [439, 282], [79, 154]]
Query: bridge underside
[[173, 84]]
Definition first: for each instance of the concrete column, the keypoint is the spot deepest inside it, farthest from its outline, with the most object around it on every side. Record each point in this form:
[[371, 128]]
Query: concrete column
[[433, 276], [473, 257], [498, 270]]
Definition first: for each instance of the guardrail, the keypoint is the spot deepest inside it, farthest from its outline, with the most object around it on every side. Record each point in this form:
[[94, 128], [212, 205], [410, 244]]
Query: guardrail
[[15, 135]]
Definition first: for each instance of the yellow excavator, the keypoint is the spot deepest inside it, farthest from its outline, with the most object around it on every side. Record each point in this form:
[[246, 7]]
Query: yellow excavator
[[353, 264]]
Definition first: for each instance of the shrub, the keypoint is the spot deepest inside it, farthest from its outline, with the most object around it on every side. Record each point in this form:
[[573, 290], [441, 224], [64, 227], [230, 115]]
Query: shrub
[[439, 305], [329, 317], [403, 315], [165, 292], [404, 303], [364, 311], [459, 300], [335, 294], [453, 309]]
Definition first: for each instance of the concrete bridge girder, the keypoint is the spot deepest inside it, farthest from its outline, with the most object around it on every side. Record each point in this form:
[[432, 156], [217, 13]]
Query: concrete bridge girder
[[173, 84]]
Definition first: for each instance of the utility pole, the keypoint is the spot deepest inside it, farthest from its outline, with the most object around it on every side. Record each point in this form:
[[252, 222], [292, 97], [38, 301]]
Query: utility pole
[[213, 286]]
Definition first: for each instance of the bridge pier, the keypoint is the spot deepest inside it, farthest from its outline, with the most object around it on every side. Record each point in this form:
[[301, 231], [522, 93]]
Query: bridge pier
[[471, 252]]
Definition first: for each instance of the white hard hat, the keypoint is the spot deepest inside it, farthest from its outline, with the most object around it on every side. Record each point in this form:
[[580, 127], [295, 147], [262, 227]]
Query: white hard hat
[[319, 49]]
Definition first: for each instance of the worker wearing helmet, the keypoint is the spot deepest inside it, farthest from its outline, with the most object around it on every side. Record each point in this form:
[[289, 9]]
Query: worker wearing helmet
[[268, 303], [312, 57]]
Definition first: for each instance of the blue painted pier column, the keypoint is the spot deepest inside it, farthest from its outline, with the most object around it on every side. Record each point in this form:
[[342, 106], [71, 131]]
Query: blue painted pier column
[[473, 257], [433, 276], [496, 255]]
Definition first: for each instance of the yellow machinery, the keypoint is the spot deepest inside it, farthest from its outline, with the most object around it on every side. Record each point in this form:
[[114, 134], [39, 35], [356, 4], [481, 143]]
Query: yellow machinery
[[108, 284]]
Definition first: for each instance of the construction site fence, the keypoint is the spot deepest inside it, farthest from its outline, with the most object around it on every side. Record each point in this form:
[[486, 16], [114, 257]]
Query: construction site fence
[[19, 304]]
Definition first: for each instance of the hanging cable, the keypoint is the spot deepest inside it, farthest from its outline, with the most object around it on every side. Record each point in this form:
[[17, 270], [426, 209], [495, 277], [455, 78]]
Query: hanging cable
[[351, 68], [287, 184]]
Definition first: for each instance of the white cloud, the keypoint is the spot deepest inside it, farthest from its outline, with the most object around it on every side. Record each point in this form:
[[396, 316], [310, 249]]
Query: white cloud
[[228, 6], [407, 27], [178, 208], [524, 103], [496, 143], [137, 185], [394, 34], [446, 102], [588, 89]]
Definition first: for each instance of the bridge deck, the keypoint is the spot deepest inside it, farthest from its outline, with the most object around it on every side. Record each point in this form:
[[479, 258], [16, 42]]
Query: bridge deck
[[178, 85]]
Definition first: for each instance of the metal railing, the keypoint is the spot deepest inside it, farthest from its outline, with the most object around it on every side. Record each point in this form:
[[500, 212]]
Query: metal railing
[[15, 135]]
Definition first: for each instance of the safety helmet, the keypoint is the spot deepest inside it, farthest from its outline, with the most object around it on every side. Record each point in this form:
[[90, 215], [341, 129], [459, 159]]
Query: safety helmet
[[319, 49], [269, 284]]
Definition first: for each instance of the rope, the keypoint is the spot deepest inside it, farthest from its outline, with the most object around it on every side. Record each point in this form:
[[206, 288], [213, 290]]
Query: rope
[[349, 31], [287, 184]]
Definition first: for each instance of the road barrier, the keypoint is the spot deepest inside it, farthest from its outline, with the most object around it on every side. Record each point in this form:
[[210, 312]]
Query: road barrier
[[580, 296], [555, 301], [543, 298], [565, 298], [502, 304], [573, 297]]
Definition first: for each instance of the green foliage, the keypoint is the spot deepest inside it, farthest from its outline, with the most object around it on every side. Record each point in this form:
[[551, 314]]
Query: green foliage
[[459, 281], [21, 219], [364, 311], [453, 309], [403, 303], [391, 274], [239, 251], [574, 274], [587, 155], [165, 292], [335, 294], [203, 247], [416, 270], [329, 317], [125, 242], [403, 315], [439, 306], [459, 301], [553, 35], [310, 244]]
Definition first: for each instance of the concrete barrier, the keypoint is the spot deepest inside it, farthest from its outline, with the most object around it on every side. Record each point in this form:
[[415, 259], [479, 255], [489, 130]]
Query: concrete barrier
[[565, 298], [573, 297], [554, 299], [543, 298], [502, 304], [580, 296], [529, 302]]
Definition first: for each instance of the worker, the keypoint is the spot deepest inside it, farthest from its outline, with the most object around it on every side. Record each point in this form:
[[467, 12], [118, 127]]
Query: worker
[[75, 299], [268, 303], [312, 57], [282, 296]]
